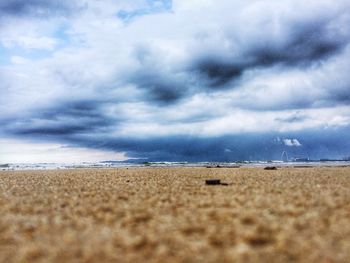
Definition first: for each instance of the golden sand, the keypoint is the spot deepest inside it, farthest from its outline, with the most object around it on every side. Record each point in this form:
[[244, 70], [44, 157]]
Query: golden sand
[[170, 215]]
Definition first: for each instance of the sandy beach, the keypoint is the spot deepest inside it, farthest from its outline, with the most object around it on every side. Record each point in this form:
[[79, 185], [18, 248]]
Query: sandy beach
[[171, 215]]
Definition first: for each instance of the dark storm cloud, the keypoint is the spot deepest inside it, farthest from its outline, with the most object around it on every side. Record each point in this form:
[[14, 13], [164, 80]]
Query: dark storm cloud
[[79, 109], [340, 96], [159, 88], [218, 72], [51, 129], [39, 8], [176, 148], [307, 43], [254, 146], [66, 118]]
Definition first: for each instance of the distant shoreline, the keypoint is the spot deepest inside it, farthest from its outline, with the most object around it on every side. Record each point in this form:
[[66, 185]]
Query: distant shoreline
[[229, 165]]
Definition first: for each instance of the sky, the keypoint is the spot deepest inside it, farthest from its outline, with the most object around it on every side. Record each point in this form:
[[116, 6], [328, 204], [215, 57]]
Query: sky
[[182, 80]]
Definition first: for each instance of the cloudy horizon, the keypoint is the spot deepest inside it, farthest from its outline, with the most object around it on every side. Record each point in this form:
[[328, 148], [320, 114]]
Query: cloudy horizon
[[182, 80]]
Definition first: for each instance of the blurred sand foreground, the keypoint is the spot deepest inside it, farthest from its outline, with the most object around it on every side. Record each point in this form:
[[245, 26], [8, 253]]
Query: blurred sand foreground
[[170, 215]]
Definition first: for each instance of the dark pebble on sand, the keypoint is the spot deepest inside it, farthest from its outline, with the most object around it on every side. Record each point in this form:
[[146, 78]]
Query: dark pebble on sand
[[270, 168], [213, 182]]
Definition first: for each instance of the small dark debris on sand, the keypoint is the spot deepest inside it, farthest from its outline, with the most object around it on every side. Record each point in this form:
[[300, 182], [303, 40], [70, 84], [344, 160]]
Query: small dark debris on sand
[[214, 182], [270, 168]]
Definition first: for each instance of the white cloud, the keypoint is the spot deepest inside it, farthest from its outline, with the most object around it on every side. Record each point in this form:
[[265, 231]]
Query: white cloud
[[30, 42], [292, 142], [22, 151]]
